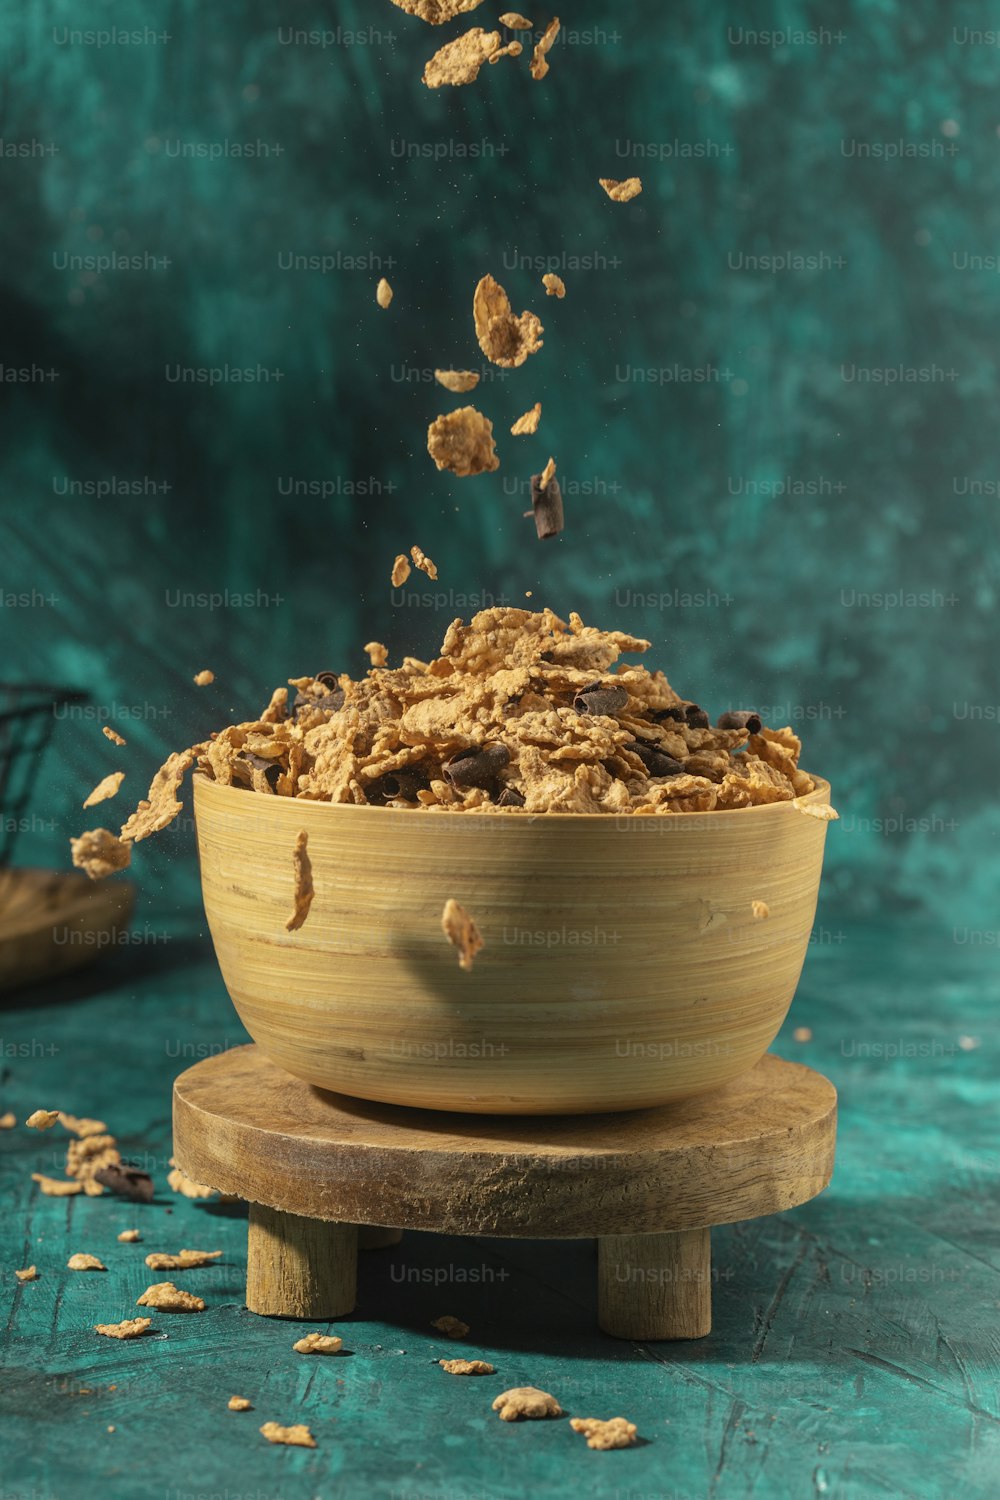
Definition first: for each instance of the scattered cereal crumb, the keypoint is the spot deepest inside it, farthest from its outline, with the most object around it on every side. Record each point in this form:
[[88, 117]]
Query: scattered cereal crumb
[[760, 910], [105, 789], [435, 12], [160, 805], [184, 1260], [528, 593], [459, 61], [377, 653], [179, 1182], [81, 1126], [303, 893], [529, 422], [614, 1433], [526, 1401], [457, 381], [423, 562], [30, 1273], [453, 1327], [42, 1119], [506, 340], [968, 1043], [553, 284], [466, 1367], [462, 932], [822, 810], [203, 678], [621, 192], [400, 570], [514, 21], [90, 1154], [112, 1428], [113, 735], [53, 1187], [169, 1298], [92, 1188], [239, 1403], [8, 1121], [539, 64], [100, 852], [512, 49], [81, 1262], [802, 1034], [318, 1343], [131, 1328], [462, 442], [298, 1436], [383, 293], [130, 1237]]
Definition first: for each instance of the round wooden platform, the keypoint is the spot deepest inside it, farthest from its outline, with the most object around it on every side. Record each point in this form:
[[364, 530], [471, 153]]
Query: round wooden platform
[[649, 1185]]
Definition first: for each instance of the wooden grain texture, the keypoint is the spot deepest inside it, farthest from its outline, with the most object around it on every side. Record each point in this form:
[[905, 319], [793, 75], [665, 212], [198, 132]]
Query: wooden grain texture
[[300, 1268], [761, 1145], [55, 921], [622, 965], [655, 1286]]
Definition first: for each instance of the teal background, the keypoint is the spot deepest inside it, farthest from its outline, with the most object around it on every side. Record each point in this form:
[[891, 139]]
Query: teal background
[[893, 488], [854, 1349]]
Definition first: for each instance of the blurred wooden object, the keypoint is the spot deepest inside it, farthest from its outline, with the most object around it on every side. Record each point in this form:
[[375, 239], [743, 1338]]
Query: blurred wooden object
[[53, 921]]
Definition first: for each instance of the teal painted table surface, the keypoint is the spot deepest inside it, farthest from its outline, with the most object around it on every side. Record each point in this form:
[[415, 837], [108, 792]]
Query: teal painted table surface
[[855, 1347]]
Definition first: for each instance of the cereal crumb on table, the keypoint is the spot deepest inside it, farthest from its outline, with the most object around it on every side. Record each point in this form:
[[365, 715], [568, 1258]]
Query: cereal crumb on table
[[166, 1297], [466, 1367], [184, 1260], [318, 1343], [616, 1432], [83, 1262], [453, 1327], [130, 1237], [54, 1187], [298, 1436], [526, 1401], [239, 1403], [131, 1328], [30, 1273]]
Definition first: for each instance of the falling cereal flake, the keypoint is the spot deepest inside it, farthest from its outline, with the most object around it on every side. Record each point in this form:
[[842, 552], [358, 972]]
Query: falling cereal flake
[[100, 853], [400, 570], [968, 1043], [42, 1119], [529, 422], [377, 653], [623, 191], [539, 62], [112, 735], [512, 49], [453, 1327], [514, 21], [457, 381], [802, 1034], [105, 789], [8, 1121], [554, 285], [436, 12], [203, 678], [423, 562], [383, 293], [459, 61]]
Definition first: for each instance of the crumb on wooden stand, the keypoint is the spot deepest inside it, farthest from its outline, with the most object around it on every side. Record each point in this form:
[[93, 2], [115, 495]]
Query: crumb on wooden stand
[[462, 932], [303, 893]]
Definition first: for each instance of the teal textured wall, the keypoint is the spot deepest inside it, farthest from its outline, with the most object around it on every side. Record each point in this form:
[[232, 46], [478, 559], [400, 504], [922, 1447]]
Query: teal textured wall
[[749, 450]]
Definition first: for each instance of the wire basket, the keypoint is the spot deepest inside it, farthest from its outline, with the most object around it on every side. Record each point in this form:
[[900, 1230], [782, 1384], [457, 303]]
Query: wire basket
[[27, 720]]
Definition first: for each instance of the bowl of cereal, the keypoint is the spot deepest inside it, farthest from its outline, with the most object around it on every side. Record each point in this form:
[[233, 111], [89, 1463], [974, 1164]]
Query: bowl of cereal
[[522, 878]]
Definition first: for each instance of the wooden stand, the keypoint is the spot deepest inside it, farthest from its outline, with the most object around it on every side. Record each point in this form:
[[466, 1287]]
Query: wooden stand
[[649, 1184]]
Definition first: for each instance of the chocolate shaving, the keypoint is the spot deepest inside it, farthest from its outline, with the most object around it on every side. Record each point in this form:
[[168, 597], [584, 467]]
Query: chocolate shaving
[[696, 717], [657, 762], [270, 768], [476, 767], [330, 703], [328, 679], [547, 507], [597, 699], [127, 1182], [740, 718], [403, 784], [510, 797]]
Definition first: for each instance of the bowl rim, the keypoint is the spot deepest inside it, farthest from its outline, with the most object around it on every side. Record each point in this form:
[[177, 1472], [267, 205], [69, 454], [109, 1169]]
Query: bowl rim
[[201, 783]]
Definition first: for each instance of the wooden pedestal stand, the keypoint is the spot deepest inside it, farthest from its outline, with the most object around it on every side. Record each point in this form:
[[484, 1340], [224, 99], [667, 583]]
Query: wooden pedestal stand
[[317, 1167]]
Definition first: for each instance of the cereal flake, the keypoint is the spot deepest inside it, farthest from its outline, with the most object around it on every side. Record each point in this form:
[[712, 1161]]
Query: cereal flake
[[514, 21], [130, 1237], [436, 12], [30, 1273], [761, 910], [616, 1432], [462, 932], [459, 61], [453, 1327], [462, 442], [303, 892], [184, 1260], [383, 293], [423, 562], [100, 853], [203, 678], [42, 1119], [526, 1401], [539, 62], [400, 570], [54, 1187], [318, 1343], [106, 788], [506, 340], [239, 1403], [166, 1297], [297, 1436], [554, 285], [83, 1262], [529, 422], [621, 191], [378, 654], [466, 1367], [131, 1328], [457, 381], [112, 735]]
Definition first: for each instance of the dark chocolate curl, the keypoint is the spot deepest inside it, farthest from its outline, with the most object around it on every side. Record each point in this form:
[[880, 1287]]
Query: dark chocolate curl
[[740, 718], [476, 767], [674, 713], [405, 784], [657, 762], [596, 699], [696, 717], [127, 1181], [328, 679], [510, 797], [547, 507]]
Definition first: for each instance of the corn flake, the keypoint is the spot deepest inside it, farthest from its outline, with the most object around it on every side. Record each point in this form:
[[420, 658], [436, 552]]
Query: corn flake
[[462, 442], [459, 61], [506, 340], [621, 191]]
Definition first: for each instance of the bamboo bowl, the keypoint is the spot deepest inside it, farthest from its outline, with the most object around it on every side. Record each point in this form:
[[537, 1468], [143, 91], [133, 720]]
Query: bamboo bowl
[[623, 966]]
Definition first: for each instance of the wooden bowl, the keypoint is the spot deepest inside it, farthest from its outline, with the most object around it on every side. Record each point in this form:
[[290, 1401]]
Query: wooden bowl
[[623, 964], [52, 921]]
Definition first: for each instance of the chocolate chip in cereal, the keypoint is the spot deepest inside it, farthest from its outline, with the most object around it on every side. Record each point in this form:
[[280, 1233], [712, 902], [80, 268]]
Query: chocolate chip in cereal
[[423, 562], [108, 787], [453, 1327], [742, 718], [383, 293], [131, 1328], [302, 895], [463, 934], [166, 1297], [529, 422], [462, 442], [459, 62], [616, 1432], [506, 340], [526, 1401], [457, 381], [400, 570], [621, 191], [539, 61], [554, 285], [112, 735], [100, 853]]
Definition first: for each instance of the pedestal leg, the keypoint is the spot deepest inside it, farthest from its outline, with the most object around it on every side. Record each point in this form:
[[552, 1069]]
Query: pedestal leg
[[300, 1268], [372, 1237], [655, 1286]]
